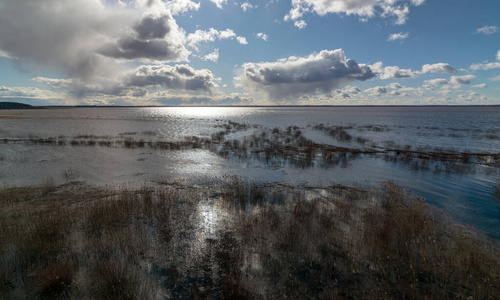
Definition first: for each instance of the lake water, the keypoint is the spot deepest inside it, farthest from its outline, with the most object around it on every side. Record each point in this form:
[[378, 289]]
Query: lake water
[[469, 197]]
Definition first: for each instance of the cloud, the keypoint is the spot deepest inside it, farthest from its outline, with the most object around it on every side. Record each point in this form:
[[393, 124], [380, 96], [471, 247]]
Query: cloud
[[177, 77], [399, 12], [79, 89], [83, 38], [351, 89], [487, 30], [23, 92], [417, 2], [210, 35], [156, 37], [137, 82], [486, 66], [394, 86], [438, 68], [481, 86], [262, 35], [241, 40], [461, 79], [300, 24], [498, 55], [219, 3], [213, 56], [294, 76], [394, 72], [181, 6], [437, 81], [398, 9], [397, 36], [246, 6], [376, 91], [496, 78]]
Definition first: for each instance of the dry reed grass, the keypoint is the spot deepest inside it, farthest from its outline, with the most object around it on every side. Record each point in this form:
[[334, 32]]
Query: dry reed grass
[[273, 241]]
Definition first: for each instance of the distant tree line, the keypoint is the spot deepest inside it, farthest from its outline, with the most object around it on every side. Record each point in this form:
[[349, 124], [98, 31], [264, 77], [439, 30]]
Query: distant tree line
[[14, 105]]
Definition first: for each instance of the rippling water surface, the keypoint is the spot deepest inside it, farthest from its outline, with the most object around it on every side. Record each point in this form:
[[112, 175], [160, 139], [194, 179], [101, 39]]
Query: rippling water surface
[[470, 197]]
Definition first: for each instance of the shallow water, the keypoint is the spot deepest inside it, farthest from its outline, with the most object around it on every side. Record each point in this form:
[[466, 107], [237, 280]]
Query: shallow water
[[469, 197]]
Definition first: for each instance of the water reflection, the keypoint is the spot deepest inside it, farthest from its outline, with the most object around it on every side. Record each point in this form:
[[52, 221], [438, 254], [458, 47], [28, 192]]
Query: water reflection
[[196, 112]]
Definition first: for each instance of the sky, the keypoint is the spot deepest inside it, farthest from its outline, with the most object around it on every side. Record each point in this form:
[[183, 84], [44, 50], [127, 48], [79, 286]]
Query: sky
[[250, 52]]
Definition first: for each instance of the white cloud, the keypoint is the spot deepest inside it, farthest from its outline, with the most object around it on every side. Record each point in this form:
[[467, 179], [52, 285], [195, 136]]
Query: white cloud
[[481, 86], [394, 86], [219, 3], [213, 56], [394, 72], [438, 68], [498, 55], [262, 35], [210, 35], [486, 66], [363, 8], [294, 76], [301, 24], [458, 80], [181, 6], [496, 78], [377, 67], [417, 2], [400, 12], [437, 81], [351, 90], [241, 40], [246, 6], [376, 91], [397, 36], [487, 30]]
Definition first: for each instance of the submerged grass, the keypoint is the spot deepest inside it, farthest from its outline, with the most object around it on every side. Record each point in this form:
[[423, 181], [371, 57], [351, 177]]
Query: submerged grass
[[236, 240], [289, 147]]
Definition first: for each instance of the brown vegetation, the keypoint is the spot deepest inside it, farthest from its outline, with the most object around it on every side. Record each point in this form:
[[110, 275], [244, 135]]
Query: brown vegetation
[[237, 239]]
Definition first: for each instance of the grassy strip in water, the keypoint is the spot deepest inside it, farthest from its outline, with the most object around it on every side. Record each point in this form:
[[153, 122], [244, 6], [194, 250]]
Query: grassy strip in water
[[237, 239], [289, 147]]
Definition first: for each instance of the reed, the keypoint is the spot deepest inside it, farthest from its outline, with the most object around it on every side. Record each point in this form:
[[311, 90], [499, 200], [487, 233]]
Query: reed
[[268, 241]]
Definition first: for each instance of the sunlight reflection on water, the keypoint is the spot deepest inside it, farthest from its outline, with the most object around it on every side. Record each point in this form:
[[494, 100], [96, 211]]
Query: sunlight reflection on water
[[195, 112]]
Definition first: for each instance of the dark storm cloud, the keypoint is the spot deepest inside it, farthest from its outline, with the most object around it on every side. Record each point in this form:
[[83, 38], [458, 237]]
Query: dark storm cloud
[[323, 72]]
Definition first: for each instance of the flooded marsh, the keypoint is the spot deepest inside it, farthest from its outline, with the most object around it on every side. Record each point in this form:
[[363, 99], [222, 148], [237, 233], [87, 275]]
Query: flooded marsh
[[254, 203]]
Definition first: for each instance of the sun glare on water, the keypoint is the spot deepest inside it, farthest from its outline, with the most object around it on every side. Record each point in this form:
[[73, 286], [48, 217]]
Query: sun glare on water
[[198, 111]]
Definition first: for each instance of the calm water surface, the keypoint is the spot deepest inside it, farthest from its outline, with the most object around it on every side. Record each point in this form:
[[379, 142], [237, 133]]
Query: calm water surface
[[470, 198]]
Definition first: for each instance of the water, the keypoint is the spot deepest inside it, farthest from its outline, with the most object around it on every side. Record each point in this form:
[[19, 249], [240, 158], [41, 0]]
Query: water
[[469, 197]]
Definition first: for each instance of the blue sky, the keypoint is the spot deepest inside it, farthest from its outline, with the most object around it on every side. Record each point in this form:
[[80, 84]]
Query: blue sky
[[222, 52]]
